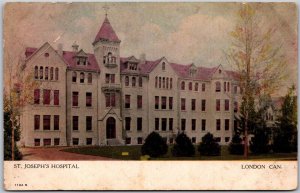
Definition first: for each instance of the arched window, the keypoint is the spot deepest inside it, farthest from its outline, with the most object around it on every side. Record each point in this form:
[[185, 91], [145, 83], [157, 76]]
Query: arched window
[[224, 86], [46, 73], [159, 82], [167, 81], [74, 77], [140, 81], [133, 81], [164, 82], [41, 72], [163, 66], [81, 77], [190, 86], [51, 73], [203, 87], [182, 85], [171, 83], [36, 72], [90, 78], [109, 55], [56, 73], [218, 86], [196, 86], [126, 81], [156, 82]]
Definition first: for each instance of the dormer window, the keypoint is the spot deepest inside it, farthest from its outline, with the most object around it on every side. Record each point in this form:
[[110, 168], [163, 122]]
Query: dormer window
[[132, 66], [163, 66], [82, 61], [193, 72]]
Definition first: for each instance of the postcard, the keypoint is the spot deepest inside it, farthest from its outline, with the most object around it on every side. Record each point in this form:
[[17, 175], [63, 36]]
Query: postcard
[[150, 96]]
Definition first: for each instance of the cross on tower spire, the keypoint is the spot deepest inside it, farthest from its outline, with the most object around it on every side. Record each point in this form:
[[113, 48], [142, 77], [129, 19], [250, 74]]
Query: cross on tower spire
[[106, 8]]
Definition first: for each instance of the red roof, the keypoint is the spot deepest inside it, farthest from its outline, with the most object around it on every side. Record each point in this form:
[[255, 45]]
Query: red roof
[[106, 32], [203, 73]]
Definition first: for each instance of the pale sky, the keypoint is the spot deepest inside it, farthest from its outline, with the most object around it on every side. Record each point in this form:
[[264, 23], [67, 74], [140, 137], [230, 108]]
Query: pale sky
[[182, 32]]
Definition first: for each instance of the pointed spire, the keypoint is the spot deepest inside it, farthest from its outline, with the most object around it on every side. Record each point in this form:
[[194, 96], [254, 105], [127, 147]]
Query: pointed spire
[[106, 32]]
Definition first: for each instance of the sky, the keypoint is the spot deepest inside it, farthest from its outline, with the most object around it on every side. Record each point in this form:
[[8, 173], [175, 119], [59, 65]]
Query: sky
[[182, 32]]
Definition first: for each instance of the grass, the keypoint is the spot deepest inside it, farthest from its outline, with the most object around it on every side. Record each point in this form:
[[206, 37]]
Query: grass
[[115, 152]]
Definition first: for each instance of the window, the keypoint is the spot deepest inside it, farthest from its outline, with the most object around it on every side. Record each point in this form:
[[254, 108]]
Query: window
[[196, 86], [183, 121], [225, 86], [139, 101], [36, 122], [46, 122], [88, 123], [218, 124], [157, 124], [75, 141], [56, 73], [127, 101], [226, 124], [89, 141], [236, 106], [41, 72], [127, 123], [193, 139], [227, 139], [218, 139], [218, 103], [226, 105], [90, 78], [167, 83], [140, 82], [37, 142], [110, 99], [56, 97], [88, 99], [51, 73], [74, 77], [163, 102], [170, 124], [156, 82], [47, 142], [128, 140], [193, 104], [159, 82], [203, 124], [203, 104], [182, 85], [193, 124], [46, 96], [228, 87], [235, 89], [46, 73], [203, 87], [171, 83], [218, 87], [170, 103], [183, 104], [190, 86], [126, 81], [36, 96], [156, 102], [36, 72], [56, 122], [56, 141], [139, 140], [163, 66], [163, 124], [75, 123], [139, 124], [75, 99], [81, 77], [133, 81]]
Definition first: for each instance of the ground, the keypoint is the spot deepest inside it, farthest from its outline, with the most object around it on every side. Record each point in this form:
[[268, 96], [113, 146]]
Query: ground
[[115, 153]]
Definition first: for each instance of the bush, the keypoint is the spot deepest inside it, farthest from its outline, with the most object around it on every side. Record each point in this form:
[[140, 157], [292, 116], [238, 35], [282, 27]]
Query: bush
[[260, 142], [183, 146], [154, 145], [236, 147], [209, 146]]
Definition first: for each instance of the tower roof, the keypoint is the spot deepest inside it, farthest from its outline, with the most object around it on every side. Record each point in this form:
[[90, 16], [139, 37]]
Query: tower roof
[[106, 32]]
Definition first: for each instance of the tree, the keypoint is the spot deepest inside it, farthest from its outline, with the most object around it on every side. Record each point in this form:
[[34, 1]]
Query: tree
[[285, 137], [154, 145], [209, 146], [183, 146], [258, 60], [236, 147]]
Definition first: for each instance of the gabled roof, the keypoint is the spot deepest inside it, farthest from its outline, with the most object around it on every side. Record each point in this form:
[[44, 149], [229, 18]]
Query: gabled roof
[[106, 32], [143, 68], [81, 53]]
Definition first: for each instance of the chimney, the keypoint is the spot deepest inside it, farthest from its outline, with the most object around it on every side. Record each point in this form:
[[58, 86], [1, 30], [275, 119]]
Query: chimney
[[60, 49], [142, 58], [75, 47]]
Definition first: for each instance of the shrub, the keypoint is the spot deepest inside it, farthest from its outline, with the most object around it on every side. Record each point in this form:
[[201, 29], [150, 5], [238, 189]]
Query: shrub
[[183, 146], [260, 142], [236, 147], [154, 145], [209, 146]]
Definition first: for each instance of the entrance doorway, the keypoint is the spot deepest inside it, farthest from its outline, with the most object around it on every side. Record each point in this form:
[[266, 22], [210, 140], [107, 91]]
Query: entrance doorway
[[110, 128]]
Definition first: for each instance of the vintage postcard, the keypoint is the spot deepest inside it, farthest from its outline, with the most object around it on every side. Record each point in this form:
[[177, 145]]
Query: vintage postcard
[[150, 96]]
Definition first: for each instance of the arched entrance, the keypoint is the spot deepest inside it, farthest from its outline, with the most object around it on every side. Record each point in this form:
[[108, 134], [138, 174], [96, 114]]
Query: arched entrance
[[110, 128]]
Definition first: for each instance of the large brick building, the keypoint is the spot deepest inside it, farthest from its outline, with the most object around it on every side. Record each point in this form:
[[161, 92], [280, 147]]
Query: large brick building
[[105, 99]]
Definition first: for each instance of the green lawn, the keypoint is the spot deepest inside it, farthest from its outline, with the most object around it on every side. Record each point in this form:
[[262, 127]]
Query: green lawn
[[115, 152]]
